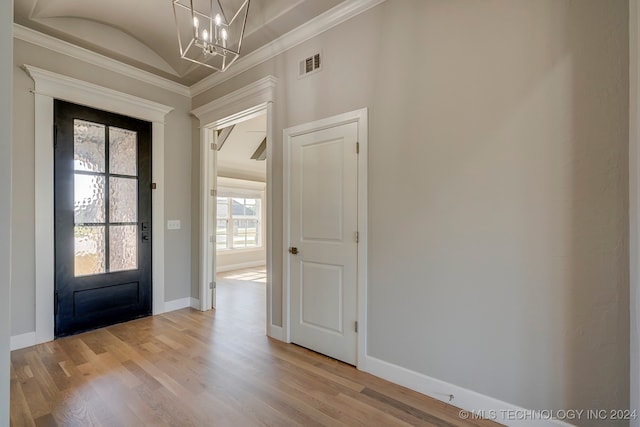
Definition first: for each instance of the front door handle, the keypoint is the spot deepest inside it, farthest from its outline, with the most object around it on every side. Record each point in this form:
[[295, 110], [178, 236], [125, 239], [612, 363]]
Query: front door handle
[[293, 250]]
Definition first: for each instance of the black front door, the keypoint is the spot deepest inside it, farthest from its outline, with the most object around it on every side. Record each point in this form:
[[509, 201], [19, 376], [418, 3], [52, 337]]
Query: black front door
[[102, 218]]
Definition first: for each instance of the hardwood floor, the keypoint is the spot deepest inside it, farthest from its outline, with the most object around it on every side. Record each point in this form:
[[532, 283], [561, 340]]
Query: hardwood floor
[[189, 368]]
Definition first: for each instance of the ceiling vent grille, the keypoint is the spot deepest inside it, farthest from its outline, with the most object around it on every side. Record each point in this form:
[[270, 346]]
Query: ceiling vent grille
[[310, 65]]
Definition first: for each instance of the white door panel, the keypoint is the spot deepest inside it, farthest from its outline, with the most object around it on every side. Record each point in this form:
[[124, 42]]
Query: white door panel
[[322, 210], [321, 287], [323, 224]]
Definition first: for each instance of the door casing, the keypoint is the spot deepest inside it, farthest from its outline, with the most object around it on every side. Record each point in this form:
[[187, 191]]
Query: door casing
[[50, 86], [361, 118]]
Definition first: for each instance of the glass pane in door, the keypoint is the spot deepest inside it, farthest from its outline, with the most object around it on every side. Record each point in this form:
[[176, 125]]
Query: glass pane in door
[[123, 200], [123, 152], [88, 146], [123, 245], [89, 199], [89, 250]]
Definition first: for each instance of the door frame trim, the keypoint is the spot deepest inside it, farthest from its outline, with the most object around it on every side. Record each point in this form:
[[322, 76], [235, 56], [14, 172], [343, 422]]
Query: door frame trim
[[242, 104], [361, 118], [50, 86]]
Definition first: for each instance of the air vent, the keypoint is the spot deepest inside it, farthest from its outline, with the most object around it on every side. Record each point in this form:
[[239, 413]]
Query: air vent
[[310, 65]]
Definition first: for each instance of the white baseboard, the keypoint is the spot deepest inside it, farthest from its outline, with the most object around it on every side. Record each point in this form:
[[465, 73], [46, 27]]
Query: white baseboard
[[177, 304], [471, 402], [29, 339], [240, 266], [23, 340], [276, 332]]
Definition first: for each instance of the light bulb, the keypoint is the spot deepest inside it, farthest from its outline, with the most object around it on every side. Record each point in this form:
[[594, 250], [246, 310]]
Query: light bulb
[[195, 22], [205, 35], [223, 34], [218, 19]]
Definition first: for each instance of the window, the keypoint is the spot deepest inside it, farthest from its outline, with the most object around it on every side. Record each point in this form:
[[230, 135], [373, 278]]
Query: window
[[238, 223]]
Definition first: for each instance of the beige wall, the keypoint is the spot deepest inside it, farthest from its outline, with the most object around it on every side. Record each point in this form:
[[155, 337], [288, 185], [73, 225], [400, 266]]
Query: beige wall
[[498, 192], [6, 53], [177, 174]]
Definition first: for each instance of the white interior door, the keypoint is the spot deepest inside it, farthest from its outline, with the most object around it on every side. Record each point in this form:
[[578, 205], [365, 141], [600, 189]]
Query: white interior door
[[323, 253]]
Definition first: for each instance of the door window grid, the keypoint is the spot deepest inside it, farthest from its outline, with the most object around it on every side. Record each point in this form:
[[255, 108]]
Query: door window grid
[[105, 228], [238, 223]]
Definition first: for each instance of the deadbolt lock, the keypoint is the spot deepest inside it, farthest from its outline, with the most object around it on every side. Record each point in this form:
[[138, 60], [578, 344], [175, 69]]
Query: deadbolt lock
[[293, 250]]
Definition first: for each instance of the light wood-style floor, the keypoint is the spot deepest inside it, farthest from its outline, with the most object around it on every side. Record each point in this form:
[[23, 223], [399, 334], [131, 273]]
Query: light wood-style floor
[[188, 368]]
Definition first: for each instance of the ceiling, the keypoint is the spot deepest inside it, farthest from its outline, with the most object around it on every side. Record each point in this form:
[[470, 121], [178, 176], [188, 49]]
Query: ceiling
[[142, 33], [234, 158]]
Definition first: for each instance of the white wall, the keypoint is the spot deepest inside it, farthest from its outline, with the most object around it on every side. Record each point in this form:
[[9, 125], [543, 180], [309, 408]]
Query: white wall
[[6, 53], [498, 189], [177, 174], [239, 259]]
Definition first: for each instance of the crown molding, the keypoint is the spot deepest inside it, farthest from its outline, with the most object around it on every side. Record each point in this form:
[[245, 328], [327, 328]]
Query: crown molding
[[221, 111], [39, 39], [69, 89], [318, 25]]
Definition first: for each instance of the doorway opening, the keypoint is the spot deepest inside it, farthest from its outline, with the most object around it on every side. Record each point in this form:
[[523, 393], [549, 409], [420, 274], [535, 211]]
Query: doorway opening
[[240, 218], [253, 100]]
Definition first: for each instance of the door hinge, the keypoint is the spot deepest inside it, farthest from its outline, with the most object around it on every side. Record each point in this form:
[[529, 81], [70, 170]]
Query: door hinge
[[214, 147], [357, 237], [55, 304], [212, 285], [213, 193], [357, 148], [355, 327]]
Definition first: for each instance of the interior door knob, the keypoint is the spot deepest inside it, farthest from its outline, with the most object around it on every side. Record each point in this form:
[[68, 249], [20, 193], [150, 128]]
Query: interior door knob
[[293, 250]]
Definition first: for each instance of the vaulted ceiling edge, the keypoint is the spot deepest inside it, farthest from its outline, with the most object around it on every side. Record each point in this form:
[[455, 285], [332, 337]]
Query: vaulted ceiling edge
[[309, 29]]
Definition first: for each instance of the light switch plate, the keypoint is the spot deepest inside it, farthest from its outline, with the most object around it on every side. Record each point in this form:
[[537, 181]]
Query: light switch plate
[[173, 224]]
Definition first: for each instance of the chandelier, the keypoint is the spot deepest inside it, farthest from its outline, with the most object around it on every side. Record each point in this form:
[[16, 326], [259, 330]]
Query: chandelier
[[207, 34]]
